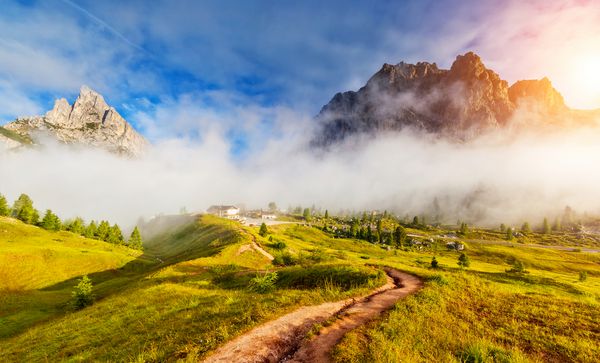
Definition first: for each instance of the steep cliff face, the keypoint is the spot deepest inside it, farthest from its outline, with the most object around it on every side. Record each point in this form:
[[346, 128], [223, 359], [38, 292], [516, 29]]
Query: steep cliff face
[[89, 121], [460, 102]]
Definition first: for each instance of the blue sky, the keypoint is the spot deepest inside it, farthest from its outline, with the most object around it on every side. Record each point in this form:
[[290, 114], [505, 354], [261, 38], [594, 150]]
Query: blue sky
[[239, 63]]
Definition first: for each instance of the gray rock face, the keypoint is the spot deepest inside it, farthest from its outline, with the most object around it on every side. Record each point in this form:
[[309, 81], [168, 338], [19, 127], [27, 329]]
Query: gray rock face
[[458, 103], [89, 121]]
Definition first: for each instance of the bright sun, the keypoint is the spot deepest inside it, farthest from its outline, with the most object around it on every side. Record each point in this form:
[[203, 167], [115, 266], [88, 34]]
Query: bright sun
[[587, 78]]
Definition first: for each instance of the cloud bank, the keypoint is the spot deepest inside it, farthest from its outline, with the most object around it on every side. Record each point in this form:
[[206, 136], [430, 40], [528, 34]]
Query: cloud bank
[[504, 177]]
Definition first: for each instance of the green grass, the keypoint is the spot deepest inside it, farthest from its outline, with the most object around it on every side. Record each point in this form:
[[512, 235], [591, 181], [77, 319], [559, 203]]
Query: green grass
[[190, 292]]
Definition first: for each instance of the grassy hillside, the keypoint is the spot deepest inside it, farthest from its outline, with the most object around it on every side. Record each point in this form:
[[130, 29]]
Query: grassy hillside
[[193, 297], [190, 292]]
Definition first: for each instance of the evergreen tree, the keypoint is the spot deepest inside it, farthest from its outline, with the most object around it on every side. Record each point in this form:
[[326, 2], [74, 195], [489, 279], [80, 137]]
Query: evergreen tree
[[4, 209], [509, 233], [379, 231], [545, 226], [326, 214], [464, 228], [306, 214], [556, 226], [23, 209], [76, 226], [463, 261], [434, 262], [525, 228], [502, 228], [115, 235], [103, 231], [415, 221], [369, 234], [354, 231], [91, 230], [390, 240], [135, 240], [263, 231], [399, 236], [51, 222]]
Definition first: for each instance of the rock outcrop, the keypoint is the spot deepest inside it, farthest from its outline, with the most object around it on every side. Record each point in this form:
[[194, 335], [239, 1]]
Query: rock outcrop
[[460, 103], [89, 121]]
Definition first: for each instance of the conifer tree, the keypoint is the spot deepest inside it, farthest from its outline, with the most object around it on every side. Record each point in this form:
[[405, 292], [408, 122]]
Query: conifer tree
[[399, 236], [556, 226], [4, 209], [525, 228], [415, 221], [354, 229], [135, 240], [502, 228], [509, 233], [103, 231], [379, 231], [91, 230], [51, 222], [76, 226], [545, 226], [115, 235], [23, 209], [306, 214], [263, 231]]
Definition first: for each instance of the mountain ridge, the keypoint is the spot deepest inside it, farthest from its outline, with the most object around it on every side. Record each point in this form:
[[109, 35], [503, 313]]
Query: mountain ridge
[[460, 103], [88, 121]]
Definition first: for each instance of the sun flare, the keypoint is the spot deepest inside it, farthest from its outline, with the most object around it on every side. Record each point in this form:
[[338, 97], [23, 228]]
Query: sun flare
[[587, 78]]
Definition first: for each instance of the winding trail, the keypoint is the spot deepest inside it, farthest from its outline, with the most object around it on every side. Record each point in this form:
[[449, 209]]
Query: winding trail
[[283, 339]]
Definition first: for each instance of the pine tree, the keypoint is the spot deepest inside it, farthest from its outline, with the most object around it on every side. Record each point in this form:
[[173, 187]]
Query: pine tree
[[306, 214], [509, 233], [135, 240], [399, 236], [263, 231], [76, 226], [379, 231], [525, 228], [545, 226], [354, 231], [415, 221], [51, 222], [556, 226], [390, 240], [434, 262], [91, 230], [4, 209], [23, 209], [103, 231], [369, 234], [326, 214], [464, 228], [502, 228], [115, 235]]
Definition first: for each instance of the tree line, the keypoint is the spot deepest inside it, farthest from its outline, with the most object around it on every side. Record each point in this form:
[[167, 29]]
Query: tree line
[[24, 210]]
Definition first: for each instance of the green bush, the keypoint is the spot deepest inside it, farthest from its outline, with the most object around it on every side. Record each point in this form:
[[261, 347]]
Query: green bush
[[285, 259], [83, 293], [278, 245], [263, 283], [582, 276]]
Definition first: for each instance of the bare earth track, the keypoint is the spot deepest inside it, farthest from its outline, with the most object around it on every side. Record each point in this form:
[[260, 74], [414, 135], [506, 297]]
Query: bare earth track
[[283, 339]]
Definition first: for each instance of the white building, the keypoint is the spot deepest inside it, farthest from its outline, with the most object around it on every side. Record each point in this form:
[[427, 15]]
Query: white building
[[225, 211]]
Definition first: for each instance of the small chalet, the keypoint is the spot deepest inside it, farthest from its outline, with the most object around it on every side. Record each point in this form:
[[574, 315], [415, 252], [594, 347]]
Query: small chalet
[[225, 211]]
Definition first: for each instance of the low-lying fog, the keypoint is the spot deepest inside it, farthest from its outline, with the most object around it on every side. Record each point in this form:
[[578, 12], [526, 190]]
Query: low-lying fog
[[507, 177]]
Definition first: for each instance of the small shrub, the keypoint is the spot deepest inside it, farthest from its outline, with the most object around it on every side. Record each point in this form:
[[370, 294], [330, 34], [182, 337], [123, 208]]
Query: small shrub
[[263, 284], [582, 276], [285, 259], [517, 267], [83, 293], [278, 245], [463, 261], [434, 263], [263, 231]]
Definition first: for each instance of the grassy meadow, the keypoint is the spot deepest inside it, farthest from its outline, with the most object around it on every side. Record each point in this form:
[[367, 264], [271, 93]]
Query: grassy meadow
[[194, 287]]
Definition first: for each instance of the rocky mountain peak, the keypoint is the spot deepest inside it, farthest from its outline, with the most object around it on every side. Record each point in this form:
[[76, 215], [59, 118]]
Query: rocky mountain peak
[[89, 121], [460, 102], [537, 93]]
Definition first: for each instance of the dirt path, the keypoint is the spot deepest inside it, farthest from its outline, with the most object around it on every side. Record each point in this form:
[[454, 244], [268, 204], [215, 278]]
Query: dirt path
[[283, 339]]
